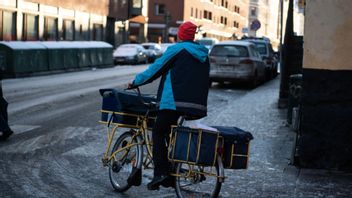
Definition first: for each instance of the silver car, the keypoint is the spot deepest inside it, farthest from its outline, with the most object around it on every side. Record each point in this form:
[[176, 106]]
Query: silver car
[[153, 51], [130, 54], [233, 61], [266, 51]]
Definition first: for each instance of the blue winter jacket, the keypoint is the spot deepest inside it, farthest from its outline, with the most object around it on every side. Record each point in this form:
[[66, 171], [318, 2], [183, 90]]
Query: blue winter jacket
[[184, 68]]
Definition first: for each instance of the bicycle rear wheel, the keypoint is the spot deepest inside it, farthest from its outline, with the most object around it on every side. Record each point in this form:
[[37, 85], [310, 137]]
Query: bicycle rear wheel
[[124, 161], [197, 181]]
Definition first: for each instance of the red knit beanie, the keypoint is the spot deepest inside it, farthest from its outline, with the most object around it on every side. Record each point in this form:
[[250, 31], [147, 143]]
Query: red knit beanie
[[186, 31]]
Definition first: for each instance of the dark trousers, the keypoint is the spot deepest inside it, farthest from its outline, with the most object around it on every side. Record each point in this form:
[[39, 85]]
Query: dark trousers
[[4, 126], [161, 132]]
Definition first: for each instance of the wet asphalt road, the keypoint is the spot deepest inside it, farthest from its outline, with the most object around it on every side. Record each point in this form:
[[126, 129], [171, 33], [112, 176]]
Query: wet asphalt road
[[58, 143]]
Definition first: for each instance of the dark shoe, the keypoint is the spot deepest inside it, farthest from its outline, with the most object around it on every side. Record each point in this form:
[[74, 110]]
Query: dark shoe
[[156, 182], [169, 182], [135, 177], [5, 135]]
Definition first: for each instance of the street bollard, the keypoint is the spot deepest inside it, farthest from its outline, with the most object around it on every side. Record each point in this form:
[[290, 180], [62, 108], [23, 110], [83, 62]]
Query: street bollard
[[294, 98]]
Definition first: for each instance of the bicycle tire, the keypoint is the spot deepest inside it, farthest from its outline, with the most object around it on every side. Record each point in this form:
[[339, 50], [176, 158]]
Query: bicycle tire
[[117, 177], [184, 188]]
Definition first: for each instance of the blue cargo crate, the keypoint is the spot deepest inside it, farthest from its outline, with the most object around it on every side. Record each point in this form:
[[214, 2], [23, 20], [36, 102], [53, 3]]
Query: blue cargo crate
[[235, 143], [193, 146]]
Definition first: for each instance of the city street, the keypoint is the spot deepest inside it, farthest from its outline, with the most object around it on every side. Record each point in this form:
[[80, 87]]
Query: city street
[[58, 143]]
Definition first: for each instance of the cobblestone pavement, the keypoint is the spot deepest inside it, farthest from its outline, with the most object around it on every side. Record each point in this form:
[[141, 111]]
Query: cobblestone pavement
[[57, 147], [269, 173]]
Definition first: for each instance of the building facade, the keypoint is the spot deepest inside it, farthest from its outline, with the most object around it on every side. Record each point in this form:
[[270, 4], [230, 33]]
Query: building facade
[[326, 128], [114, 21], [53, 20], [221, 19]]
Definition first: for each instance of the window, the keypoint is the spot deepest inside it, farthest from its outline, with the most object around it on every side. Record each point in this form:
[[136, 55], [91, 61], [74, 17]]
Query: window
[[261, 48], [82, 33], [137, 3], [229, 51], [50, 29], [253, 11], [191, 12], [97, 32], [68, 30], [80, 29], [7, 25], [236, 24], [225, 21], [207, 15], [160, 9], [237, 9], [30, 27], [226, 4], [196, 13]]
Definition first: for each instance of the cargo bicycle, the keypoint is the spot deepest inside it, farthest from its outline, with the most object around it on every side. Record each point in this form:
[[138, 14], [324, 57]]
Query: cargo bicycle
[[197, 172]]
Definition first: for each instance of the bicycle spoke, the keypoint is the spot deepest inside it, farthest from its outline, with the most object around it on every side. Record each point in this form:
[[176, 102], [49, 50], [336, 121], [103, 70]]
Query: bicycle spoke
[[196, 181]]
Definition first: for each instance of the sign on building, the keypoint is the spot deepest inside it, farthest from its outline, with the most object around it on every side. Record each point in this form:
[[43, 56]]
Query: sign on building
[[245, 30]]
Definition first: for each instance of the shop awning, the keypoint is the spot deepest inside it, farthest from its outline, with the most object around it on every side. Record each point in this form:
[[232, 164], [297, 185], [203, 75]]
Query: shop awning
[[138, 19]]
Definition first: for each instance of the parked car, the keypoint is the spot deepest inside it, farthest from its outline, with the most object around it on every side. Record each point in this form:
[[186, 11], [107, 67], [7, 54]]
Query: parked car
[[153, 51], [267, 53], [233, 61], [207, 42], [164, 46], [130, 54]]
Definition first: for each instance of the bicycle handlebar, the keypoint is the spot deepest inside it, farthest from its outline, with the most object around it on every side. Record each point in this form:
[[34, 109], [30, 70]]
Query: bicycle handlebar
[[150, 105]]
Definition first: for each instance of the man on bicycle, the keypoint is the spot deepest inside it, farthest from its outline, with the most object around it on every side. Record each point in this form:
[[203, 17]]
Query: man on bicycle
[[183, 91]]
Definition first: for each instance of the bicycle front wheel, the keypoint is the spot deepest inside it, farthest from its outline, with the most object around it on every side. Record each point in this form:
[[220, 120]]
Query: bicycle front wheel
[[197, 181], [125, 159]]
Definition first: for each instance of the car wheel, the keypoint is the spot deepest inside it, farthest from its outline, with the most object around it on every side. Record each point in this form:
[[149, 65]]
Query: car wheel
[[255, 81], [274, 72], [268, 75]]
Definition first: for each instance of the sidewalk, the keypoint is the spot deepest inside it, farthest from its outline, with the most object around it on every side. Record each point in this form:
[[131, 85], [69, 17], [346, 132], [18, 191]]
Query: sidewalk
[[269, 173]]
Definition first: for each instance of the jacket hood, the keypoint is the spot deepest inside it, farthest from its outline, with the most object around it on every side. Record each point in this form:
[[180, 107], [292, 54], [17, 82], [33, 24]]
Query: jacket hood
[[196, 50]]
